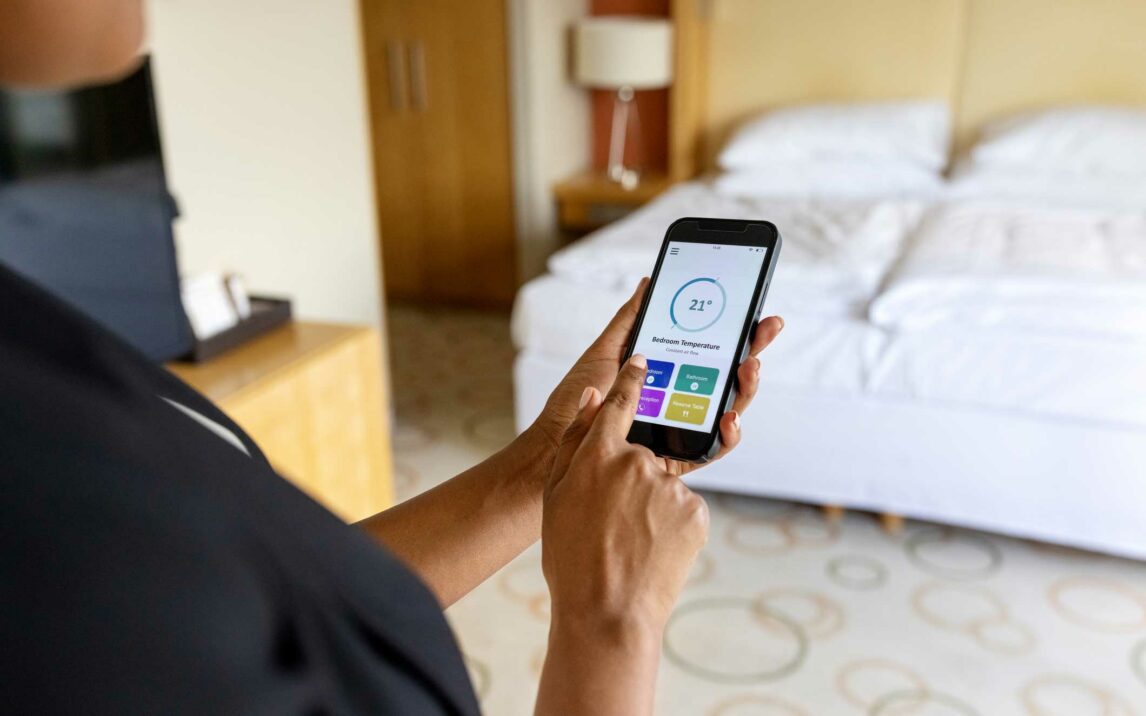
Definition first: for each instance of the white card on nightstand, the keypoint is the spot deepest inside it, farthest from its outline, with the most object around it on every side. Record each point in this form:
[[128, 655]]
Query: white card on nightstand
[[208, 304]]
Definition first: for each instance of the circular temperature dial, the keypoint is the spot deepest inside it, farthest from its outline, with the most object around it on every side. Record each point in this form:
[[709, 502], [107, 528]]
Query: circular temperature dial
[[697, 304]]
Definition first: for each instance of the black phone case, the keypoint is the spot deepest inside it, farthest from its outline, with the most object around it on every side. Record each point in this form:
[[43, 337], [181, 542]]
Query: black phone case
[[672, 442]]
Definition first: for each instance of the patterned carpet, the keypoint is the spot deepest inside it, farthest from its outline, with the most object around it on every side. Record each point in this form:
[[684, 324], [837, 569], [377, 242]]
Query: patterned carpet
[[786, 614]]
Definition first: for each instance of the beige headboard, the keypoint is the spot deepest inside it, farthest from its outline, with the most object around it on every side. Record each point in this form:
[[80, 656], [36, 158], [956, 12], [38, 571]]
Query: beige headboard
[[1025, 54], [987, 58]]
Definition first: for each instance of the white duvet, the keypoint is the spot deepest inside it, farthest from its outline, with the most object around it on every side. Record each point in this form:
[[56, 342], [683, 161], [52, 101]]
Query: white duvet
[[1052, 375], [835, 252], [1027, 269], [980, 304]]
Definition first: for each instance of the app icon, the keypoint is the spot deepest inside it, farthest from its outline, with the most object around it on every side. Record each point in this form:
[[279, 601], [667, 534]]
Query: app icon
[[697, 379], [650, 402], [687, 408], [658, 373]]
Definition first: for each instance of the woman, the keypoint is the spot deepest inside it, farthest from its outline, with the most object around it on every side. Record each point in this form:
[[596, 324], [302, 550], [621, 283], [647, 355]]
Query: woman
[[153, 562]]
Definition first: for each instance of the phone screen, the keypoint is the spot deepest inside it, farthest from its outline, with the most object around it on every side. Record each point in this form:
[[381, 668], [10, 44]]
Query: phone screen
[[691, 328]]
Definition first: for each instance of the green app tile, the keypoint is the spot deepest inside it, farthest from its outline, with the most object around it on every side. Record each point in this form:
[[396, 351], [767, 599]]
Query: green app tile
[[696, 379]]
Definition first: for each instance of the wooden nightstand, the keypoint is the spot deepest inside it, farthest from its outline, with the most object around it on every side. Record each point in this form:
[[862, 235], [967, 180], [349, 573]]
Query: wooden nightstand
[[589, 200], [312, 396]]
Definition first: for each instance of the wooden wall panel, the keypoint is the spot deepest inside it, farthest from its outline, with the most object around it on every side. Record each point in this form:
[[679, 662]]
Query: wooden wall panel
[[647, 146]]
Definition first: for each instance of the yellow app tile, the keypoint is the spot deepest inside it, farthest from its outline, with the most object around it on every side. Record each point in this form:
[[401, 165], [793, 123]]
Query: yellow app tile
[[687, 408]]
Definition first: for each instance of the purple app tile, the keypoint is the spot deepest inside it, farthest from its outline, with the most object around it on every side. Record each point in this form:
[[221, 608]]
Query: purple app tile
[[650, 403]]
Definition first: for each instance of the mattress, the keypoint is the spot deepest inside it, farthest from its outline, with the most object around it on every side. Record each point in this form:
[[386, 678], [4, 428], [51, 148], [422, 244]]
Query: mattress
[[1061, 376], [834, 256], [1055, 376], [1058, 481]]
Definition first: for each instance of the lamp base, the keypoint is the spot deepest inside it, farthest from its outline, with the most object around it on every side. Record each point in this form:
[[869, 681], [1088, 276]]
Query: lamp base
[[623, 111], [629, 179]]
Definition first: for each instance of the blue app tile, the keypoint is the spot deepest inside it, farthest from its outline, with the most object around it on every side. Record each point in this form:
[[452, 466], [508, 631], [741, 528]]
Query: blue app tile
[[658, 374]]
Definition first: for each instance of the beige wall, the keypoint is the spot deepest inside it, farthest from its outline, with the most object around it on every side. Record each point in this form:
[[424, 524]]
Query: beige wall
[[551, 120], [263, 114]]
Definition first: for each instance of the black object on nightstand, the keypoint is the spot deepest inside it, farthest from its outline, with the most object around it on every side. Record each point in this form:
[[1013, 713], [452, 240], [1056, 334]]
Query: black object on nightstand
[[267, 314]]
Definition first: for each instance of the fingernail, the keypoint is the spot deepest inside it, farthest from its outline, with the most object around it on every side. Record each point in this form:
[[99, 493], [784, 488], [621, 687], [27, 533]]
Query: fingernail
[[781, 320], [638, 361], [585, 395], [736, 420]]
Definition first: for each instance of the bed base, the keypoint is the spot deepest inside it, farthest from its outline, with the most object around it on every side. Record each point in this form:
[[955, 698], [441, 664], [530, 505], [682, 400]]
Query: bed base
[[1070, 482], [891, 523]]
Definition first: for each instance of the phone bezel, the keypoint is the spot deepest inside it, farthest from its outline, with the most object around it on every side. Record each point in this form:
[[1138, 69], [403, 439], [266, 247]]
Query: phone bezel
[[684, 443]]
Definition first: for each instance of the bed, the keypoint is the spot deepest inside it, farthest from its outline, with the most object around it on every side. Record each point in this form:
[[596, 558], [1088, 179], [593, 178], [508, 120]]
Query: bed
[[1041, 435], [971, 351]]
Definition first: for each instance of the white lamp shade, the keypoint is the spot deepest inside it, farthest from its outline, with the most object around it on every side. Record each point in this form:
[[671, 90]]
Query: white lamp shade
[[616, 51]]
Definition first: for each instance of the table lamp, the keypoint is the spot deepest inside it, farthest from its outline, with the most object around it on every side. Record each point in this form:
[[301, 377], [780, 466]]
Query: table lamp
[[624, 54]]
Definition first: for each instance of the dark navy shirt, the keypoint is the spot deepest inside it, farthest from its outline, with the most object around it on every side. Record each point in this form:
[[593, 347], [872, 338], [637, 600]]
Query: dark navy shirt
[[149, 566]]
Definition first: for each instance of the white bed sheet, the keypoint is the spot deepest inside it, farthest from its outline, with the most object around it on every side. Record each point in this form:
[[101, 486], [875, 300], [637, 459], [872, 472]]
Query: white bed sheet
[[1027, 268], [1055, 376], [835, 252]]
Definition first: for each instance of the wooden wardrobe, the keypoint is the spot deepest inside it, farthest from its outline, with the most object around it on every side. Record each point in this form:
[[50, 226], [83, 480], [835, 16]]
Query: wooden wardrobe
[[439, 97]]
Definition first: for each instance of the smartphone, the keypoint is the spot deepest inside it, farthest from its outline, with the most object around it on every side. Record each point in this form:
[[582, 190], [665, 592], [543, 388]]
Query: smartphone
[[695, 326]]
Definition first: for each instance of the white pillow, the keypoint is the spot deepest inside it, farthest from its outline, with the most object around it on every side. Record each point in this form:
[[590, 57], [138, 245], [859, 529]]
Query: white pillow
[[971, 180], [915, 132], [1100, 140], [832, 179]]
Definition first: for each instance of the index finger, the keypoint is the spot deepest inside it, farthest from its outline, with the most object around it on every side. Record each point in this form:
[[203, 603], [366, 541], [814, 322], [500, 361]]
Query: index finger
[[574, 436], [616, 414]]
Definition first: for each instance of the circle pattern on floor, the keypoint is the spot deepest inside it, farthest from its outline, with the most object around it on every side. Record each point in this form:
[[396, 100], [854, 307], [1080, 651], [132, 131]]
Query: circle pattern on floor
[[784, 613], [755, 644]]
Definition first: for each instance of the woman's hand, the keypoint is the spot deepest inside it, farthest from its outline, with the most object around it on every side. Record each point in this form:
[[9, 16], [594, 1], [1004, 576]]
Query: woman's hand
[[597, 367], [465, 529], [619, 534], [619, 531]]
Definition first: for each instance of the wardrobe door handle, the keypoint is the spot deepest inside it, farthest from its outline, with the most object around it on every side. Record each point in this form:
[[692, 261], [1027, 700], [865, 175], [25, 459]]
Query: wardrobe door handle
[[395, 68], [419, 98]]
